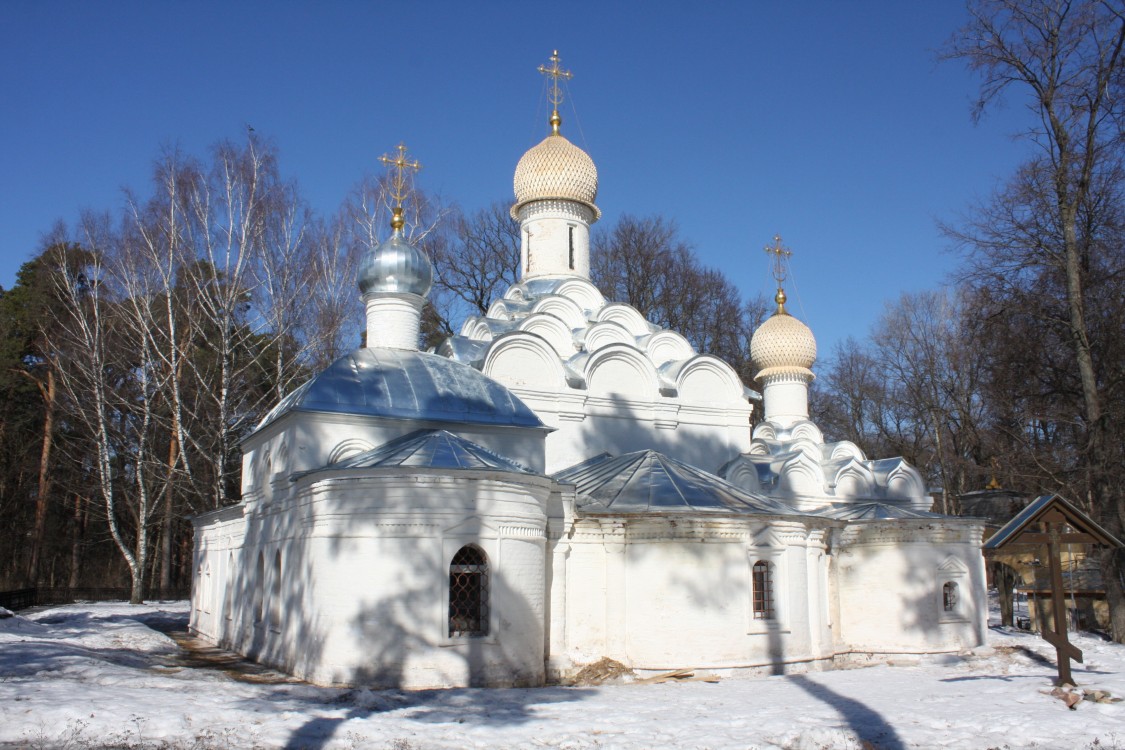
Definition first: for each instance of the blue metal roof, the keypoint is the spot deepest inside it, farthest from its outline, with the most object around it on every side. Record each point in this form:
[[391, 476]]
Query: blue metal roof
[[404, 384], [650, 482]]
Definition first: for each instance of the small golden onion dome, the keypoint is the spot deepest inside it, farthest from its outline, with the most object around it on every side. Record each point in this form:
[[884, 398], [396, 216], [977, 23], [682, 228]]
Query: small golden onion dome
[[783, 345], [556, 169]]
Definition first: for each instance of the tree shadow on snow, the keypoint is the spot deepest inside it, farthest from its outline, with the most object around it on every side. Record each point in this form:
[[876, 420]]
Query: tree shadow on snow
[[479, 706], [868, 724]]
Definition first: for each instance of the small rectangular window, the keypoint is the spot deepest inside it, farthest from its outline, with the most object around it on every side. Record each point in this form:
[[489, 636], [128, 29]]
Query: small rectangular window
[[949, 597], [571, 228]]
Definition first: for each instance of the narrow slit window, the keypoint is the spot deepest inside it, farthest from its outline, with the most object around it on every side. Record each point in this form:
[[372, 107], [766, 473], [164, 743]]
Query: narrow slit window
[[468, 593], [275, 593], [259, 587], [228, 596], [571, 228], [763, 591]]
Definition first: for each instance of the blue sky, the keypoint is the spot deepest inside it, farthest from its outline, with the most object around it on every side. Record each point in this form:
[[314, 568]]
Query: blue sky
[[831, 123]]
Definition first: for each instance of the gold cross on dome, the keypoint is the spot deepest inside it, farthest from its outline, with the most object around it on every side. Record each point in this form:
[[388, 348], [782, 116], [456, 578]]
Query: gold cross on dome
[[398, 165], [555, 73], [779, 253]]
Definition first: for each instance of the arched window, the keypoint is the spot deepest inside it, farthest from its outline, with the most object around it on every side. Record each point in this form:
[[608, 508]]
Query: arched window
[[468, 592], [275, 592], [763, 591], [949, 596], [259, 587]]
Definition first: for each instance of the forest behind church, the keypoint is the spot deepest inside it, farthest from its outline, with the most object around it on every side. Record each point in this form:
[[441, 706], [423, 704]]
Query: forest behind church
[[140, 345]]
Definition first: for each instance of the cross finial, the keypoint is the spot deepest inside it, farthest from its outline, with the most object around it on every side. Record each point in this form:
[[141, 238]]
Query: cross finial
[[554, 72], [398, 166], [779, 253]]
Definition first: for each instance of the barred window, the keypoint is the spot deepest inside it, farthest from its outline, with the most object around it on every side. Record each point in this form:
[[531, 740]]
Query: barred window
[[763, 591], [468, 592], [949, 597]]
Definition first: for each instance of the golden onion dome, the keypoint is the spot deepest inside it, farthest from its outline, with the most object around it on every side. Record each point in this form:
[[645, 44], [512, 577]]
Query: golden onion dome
[[556, 169], [783, 345]]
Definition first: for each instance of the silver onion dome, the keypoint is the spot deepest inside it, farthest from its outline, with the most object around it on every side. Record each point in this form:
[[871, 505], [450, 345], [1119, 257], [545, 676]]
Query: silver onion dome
[[396, 266]]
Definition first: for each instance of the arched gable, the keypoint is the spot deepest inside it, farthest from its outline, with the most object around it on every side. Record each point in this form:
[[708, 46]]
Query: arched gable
[[801, 475], [806, 430], [347, 448], [621, 370], [566, 310], [582, 292], [667, 346], [626, 316], [765, 431], [706, 380], [846, 449], [743, 473], [904, 481], [503, 309], [853, 480], [602, 334], [477, 329], [553, 330], [759, 447], [523, 359]]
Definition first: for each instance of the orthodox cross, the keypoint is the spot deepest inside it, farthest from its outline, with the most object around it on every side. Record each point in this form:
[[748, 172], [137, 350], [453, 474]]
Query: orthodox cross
[[554, 72], [1059, 523], [397, 166], [779, 253]]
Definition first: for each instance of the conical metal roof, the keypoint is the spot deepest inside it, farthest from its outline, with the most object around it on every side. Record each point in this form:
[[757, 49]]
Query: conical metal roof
[[650, 482]]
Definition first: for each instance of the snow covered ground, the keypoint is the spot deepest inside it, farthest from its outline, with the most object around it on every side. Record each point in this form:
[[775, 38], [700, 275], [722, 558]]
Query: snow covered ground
[[95, 675]]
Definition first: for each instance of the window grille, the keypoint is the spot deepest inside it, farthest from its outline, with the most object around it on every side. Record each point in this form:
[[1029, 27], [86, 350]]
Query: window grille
[[468, 593], [949, 597], [763, 591]]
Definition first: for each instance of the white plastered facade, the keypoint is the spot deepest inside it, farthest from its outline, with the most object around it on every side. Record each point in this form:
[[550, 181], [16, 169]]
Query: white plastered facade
[[338, 564]]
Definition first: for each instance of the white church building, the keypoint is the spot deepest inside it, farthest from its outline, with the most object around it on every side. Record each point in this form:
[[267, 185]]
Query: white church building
[[564, 481]]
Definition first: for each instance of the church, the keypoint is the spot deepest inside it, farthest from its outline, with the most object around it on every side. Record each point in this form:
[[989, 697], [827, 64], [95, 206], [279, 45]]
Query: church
[[563, 482]]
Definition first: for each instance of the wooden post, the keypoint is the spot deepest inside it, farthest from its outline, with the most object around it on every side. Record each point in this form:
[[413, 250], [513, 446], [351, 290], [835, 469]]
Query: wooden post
[[1057, 637]]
